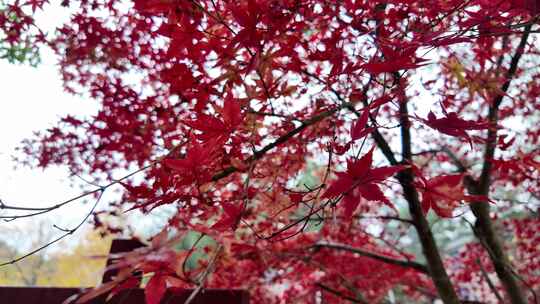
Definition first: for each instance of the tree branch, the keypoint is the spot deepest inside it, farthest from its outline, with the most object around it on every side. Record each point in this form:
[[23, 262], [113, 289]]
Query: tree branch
[[429, 247], [66, 233], [377, 136], [339, 294], [481, 210], [388, 260], [282, 139], [489, 281], [209, 269], [366, 217]]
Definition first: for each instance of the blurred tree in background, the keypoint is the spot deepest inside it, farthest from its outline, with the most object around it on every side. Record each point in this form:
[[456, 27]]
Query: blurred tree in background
[[70, 264]]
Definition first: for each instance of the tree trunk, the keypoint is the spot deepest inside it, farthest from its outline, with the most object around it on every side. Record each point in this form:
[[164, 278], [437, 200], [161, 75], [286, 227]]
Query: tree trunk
[[429, 247], [484, 229]]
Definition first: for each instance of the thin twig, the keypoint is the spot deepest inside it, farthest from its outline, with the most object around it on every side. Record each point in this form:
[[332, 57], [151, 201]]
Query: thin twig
[[489, 281], [338, 293], [204, 275], [67, 232]]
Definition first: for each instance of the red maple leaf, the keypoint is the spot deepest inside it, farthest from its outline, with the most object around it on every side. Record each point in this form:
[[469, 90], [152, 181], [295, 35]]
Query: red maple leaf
[[230, 217], [444, 193], [197, 163], [452, 125], [359, 128], [154, 6], [213, 127], [36, 4], [231, 113], [360, 181], [155, 289], [210, 126], [390, 66], [396, 58], [247, 17]]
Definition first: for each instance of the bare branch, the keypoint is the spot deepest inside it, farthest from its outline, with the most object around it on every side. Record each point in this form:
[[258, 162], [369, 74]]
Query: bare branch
[[67, 232]]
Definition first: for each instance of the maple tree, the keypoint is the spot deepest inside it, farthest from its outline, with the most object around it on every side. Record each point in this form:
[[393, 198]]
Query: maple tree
[[391, 108]]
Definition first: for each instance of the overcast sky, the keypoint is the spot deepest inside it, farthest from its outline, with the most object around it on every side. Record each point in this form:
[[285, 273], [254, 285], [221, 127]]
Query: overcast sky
[[33, 99]]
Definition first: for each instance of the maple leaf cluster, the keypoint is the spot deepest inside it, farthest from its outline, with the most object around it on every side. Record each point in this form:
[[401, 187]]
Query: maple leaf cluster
[[360, 181]]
